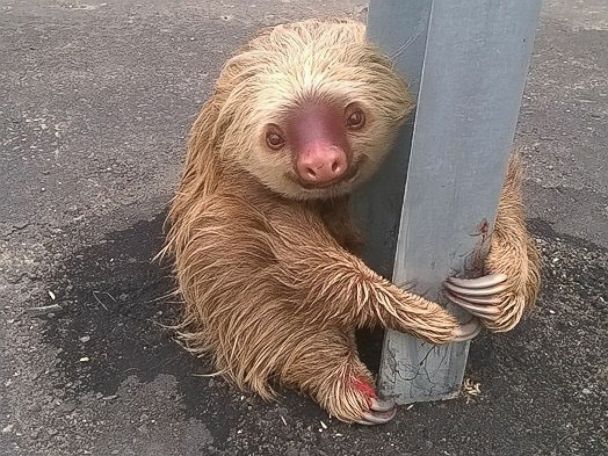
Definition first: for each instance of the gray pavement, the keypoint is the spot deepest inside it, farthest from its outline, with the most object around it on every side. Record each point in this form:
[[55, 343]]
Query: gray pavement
[[95, 100]]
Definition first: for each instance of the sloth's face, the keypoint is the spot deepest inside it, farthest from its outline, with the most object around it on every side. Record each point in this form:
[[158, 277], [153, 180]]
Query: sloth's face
[[321, 115], [320, 148]]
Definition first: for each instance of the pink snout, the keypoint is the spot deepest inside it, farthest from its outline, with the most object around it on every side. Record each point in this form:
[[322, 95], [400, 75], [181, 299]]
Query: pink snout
[[321, 164]]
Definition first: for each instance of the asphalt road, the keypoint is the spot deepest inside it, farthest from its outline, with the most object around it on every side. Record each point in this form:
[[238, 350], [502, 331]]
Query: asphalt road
[[95, 101]]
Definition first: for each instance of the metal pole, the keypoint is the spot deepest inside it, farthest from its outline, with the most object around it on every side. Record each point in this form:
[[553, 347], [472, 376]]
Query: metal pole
[[467, 62]]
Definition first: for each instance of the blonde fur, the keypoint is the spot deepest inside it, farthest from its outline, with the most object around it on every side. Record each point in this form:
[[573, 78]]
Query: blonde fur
[[513, 253], [271, 287]]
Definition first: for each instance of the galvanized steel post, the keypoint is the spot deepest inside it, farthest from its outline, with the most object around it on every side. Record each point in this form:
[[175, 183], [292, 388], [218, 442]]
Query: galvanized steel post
[[466, 62]]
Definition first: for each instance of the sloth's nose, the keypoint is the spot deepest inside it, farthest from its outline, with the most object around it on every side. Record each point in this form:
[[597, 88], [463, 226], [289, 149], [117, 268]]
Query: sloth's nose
[[321, 163]]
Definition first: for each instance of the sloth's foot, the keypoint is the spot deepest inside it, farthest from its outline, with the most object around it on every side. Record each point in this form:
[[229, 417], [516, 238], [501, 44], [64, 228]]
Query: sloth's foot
[[379, 411], [353, 399]]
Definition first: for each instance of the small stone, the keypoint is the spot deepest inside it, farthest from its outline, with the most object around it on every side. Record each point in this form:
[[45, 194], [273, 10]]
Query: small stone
[[115, 451], [66, 407], [51, 431], [35, 408], [7, 429], [586, 391], [84, 339]]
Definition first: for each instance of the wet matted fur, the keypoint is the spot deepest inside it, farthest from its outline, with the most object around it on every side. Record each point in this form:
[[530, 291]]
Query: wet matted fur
[[268, 272]]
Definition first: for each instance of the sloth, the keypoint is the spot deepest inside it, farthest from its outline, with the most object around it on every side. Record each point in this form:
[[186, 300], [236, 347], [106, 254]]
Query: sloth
[[263, 246]]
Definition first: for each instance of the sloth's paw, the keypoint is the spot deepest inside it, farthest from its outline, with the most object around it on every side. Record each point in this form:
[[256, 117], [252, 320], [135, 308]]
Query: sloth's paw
[[494, 299], [378, 411], [354, 400]]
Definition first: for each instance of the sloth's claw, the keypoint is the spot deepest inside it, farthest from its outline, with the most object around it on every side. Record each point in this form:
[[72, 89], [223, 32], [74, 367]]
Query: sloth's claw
[[481, 282], [373, 418], [467, 331], [488, 301], [379, 405], [488, 310], [481, 297], [491, 291]]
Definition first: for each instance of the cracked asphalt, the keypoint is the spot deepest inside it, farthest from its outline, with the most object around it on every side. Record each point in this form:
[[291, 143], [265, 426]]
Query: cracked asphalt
[[95, 101]]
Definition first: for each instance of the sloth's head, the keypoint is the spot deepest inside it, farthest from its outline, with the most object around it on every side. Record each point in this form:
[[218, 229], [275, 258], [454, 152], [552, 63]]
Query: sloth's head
[[311, 109]]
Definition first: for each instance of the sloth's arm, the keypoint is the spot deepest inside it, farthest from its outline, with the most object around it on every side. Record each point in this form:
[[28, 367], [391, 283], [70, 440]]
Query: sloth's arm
[[513, 262], [330, 285]]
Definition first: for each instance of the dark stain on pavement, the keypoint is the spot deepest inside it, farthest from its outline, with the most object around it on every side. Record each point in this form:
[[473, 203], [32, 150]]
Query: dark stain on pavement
[[116, 296]]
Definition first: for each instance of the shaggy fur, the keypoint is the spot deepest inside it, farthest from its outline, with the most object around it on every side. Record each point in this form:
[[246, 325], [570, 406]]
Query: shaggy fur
[[513, 253], [271, 286]]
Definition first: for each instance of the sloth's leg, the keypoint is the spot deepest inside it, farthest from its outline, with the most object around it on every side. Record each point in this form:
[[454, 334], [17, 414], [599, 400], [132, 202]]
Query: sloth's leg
[[327, 367]]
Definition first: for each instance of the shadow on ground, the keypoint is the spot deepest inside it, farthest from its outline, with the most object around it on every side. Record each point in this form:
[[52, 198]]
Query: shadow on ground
[[543, 385]]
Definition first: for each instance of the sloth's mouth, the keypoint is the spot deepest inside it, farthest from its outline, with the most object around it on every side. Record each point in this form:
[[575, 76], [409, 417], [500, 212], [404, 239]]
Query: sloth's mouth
[[348, 178]]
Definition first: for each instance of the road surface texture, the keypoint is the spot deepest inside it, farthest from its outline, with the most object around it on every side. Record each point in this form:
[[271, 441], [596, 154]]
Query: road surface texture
[[95, 102]]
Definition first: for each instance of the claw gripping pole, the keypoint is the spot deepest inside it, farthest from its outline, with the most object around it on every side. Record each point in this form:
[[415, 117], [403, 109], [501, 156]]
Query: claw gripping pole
[[466, 61]]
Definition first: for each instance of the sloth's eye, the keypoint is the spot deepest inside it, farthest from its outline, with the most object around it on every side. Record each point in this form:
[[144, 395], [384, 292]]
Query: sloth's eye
[[274, 140], [355, 119]]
